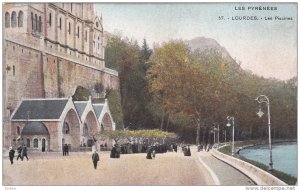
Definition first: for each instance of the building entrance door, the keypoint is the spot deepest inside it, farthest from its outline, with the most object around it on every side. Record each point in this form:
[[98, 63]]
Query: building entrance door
[[43, 145]]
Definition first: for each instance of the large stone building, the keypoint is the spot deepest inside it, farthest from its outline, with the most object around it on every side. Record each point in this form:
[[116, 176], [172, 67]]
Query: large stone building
[[50, 49]]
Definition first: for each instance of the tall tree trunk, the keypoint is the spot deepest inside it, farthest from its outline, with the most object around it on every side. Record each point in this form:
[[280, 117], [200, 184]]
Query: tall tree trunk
[[198, 132], [162, 121], [168, 122]]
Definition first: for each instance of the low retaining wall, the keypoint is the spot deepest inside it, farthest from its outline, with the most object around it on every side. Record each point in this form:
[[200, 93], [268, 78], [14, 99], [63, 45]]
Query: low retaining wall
[[259, 176]]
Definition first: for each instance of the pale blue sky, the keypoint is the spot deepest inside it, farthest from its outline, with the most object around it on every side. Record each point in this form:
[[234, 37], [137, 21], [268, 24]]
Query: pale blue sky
[[267, 48]]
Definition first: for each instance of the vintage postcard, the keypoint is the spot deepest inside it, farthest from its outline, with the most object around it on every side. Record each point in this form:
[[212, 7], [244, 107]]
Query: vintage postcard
[[150, 94]]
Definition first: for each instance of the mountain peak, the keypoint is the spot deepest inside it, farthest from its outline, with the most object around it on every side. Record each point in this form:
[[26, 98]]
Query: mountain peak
[[202, 44]]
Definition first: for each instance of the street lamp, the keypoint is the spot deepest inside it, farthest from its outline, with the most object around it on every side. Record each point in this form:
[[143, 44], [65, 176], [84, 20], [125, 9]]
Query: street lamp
[[264, 99], [225, 135], [228, 125], [217, 129]]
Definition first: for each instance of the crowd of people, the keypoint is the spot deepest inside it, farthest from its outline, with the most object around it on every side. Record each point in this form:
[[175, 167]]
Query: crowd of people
[[22, 152], [116, 151], [204, 147]]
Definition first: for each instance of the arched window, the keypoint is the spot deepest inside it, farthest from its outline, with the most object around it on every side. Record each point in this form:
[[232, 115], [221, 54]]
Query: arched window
[[7, 20], [40, 24], [32, 22], [69, 30], [36, 22], [18, 130], [13, 19], [102, 127], [35, 143], [20, 19], [78, 31], [85, 129], [28, 142], [60, 23], [66, 128], [50, 19], [14, 70]]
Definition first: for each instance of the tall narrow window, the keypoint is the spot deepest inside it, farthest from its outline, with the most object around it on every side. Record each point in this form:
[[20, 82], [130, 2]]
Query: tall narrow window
[[78, 31], [40, 24], [14, 70], [13, 19], [28, 143], [86, 33], [69, 28], [20, 19], [7, 20], [32, 23], [35, 143], [50, 19], [60, 23], [36, 22], [18, 130], [71, 7]]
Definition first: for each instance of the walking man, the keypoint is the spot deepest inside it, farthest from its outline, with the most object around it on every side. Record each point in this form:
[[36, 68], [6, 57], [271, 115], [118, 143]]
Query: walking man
[[11, 155], [24, 152], [19, 149], [95, 158]]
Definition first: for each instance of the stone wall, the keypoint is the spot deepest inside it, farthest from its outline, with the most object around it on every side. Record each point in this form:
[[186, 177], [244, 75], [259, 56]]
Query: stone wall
[[24, 75], [259, 176]]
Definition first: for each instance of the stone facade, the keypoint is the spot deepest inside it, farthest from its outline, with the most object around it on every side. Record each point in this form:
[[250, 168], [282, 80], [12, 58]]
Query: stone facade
[[49, 50]]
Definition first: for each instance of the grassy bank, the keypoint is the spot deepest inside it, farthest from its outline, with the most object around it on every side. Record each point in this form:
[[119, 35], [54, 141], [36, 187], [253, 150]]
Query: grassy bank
[[290, 180]]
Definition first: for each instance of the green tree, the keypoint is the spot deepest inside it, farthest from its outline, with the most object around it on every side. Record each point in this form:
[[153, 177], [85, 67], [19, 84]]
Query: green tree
[[186, 90], [114, 103], [81, 94]]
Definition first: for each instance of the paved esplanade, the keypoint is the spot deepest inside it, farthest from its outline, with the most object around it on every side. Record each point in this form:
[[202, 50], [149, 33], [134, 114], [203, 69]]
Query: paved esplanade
[[225, 174], [131, 169]]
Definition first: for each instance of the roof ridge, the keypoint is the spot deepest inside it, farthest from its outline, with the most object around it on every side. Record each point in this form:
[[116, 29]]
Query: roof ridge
[[43, 99]]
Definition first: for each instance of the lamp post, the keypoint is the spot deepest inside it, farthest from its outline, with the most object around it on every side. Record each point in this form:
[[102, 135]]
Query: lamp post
[[214, 129], [228, 125], [264, 99], [218, 130], [225, 135]]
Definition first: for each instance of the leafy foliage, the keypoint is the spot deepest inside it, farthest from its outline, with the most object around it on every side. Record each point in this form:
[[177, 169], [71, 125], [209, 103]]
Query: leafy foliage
[[176, 89], [114, 103], [142, 134], [81, 94]]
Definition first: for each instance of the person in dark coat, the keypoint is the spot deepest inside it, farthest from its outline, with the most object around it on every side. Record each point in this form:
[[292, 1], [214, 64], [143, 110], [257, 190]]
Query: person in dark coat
[[175, 148], [19, 149], [185, 151], [24, 152], [95, 158], [64, 150], [113, 152], [188, 151], [11, 155], [118, 151], [149, 153], [67, 150]]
